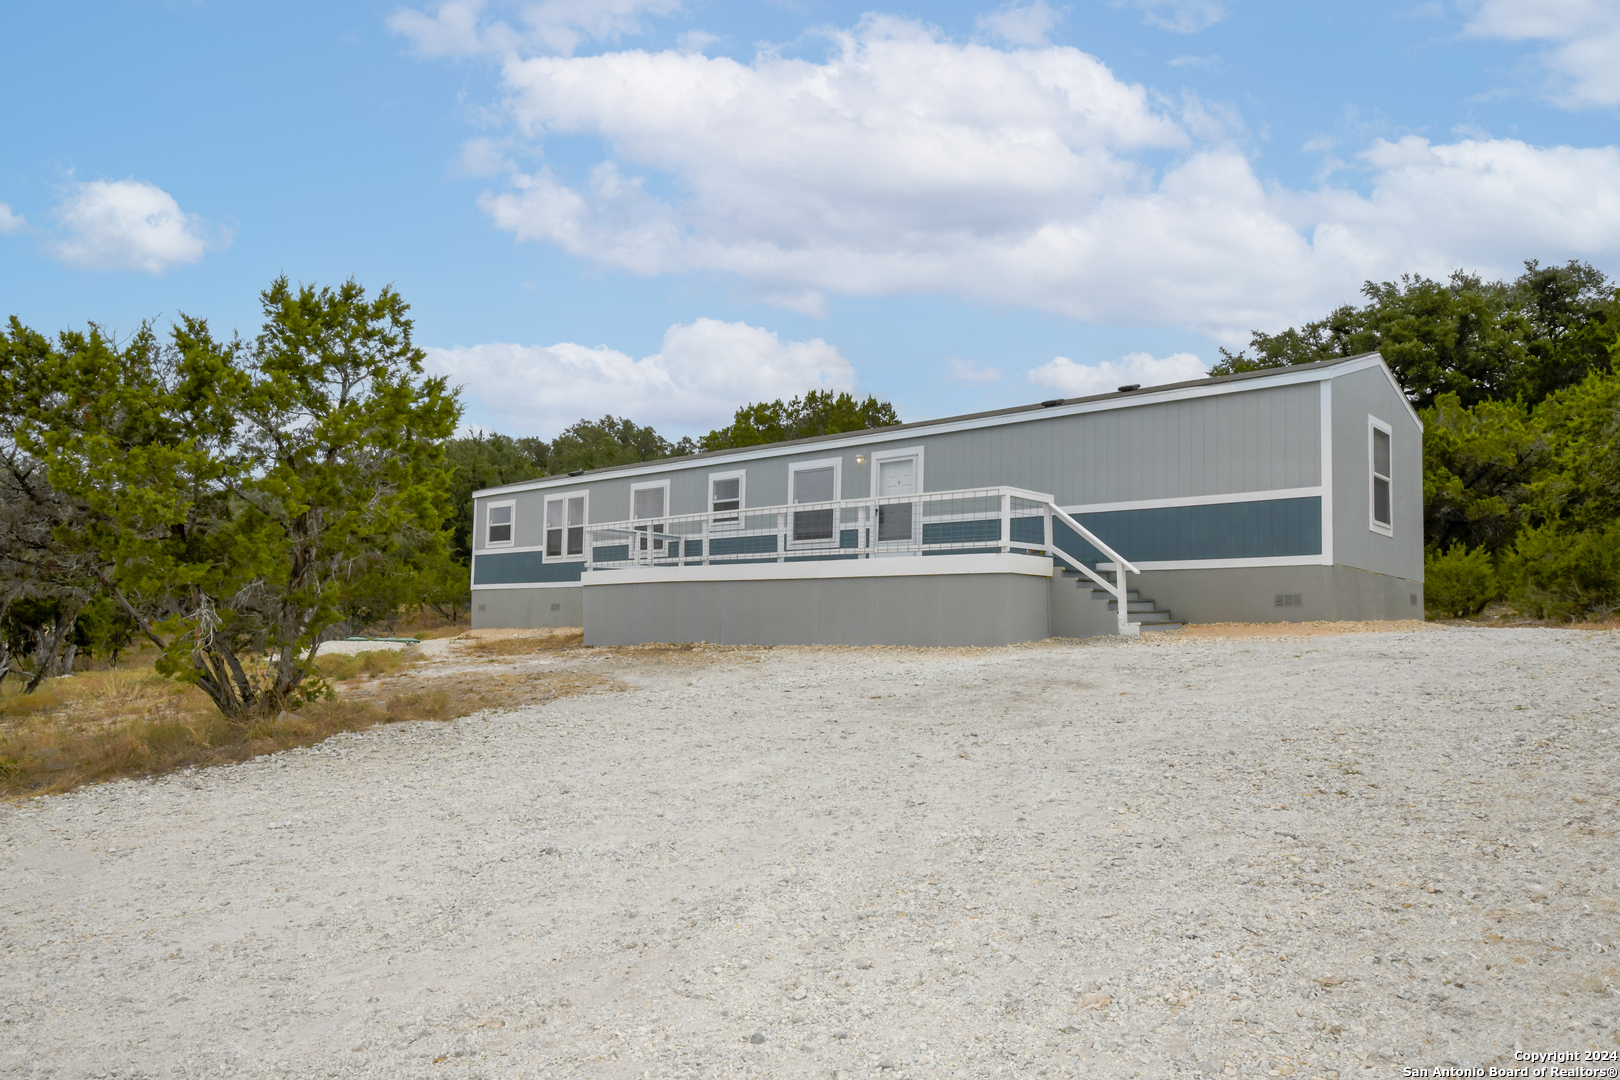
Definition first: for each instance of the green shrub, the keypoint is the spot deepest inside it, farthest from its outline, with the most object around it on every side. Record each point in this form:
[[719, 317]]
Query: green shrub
[[1559, 573], [1457, 582]]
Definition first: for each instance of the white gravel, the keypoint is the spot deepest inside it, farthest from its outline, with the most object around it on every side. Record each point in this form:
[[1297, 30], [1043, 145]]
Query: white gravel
[[1326, 856]]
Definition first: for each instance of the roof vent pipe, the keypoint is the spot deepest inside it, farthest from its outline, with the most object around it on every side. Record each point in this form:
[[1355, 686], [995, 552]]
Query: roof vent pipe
[[1049, 404], [577, 472], [1132, 386]]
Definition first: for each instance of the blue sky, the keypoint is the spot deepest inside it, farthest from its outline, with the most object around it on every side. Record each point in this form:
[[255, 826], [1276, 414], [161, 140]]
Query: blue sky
[[664, 210]]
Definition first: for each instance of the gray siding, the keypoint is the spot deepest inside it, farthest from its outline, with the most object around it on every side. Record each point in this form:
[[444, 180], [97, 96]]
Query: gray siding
[[1253, 440], [1355, 396], [1260, 439]]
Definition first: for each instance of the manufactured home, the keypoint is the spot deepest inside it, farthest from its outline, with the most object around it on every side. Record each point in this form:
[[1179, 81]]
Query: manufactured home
[[1285, 494]]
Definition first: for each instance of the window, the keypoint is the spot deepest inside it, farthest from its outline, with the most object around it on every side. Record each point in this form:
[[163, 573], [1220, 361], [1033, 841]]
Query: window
[[498, 524], [649, 503], [1379, 461], [726, 492], [813, 482], [565, 527]]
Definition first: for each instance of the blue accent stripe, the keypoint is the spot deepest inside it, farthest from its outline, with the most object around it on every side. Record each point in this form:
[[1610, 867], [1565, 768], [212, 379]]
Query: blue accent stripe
[[1240, 530], [521, 567]]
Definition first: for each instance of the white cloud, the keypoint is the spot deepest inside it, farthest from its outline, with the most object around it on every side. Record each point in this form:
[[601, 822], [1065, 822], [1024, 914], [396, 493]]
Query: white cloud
[[694, 383], [966, 371], [905, 163], [1080, 380], [10, 222], [128, 225], [1182, 16], [460, 27], [1583, 39], [1020, 24]]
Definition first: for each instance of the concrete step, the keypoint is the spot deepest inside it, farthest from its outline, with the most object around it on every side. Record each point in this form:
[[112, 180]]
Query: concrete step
[[1160, 626], [1146, 617], [1133, 605]]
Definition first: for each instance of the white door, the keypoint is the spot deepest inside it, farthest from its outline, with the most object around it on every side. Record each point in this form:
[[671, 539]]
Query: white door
[[897, 522]]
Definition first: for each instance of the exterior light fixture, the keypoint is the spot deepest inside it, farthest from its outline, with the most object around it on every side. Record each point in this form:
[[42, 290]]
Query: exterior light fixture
[[860, 459]]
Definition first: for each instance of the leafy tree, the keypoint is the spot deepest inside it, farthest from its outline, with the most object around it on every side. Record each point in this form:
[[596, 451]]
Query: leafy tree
[[1476, 339], [243, 496], [1458, 582], [1478, 468], [600, 444], [819, 412], [43, 585]]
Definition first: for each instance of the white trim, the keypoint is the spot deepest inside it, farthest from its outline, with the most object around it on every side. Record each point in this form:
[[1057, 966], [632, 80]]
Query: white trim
[[837, 466], [923, 429], [1195, 500], [1223, 564], [517, 550], [879, 456], [530, 585], [1325, 473], [653, 523], [585, 520], [500, 545], [919, 566], [643, 486], [739, 475], [875, 462], [1373, 524]]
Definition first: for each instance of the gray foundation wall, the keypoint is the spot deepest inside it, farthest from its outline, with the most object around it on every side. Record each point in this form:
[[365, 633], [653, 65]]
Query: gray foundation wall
[[945, 609], [1249, 594], [562, 606], [1075, 611]]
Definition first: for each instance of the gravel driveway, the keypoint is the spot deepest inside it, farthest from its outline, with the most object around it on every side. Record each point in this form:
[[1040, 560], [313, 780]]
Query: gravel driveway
[[1334, 856]]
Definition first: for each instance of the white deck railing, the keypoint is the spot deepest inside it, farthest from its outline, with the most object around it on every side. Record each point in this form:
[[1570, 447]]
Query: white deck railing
[[994, 519]]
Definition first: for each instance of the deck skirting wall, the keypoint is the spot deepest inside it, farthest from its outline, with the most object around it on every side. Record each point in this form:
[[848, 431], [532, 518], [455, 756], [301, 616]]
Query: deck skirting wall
[[824, 604]]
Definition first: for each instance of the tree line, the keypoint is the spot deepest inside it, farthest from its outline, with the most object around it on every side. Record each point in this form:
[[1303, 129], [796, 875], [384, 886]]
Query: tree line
[[230, 502], [1517, 386]]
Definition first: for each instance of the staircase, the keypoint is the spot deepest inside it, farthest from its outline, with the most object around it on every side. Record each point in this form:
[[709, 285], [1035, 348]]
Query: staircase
[[1145, 613]]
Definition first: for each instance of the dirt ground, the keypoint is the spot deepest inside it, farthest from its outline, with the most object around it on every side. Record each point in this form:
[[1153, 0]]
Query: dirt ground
[[1230, 852]]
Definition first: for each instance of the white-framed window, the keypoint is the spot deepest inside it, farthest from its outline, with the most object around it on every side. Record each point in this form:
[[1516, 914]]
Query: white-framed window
[[1380, 463], [565, 527], [895, 473], [499, 523], [649, 503], [814, 482], [727, 494]]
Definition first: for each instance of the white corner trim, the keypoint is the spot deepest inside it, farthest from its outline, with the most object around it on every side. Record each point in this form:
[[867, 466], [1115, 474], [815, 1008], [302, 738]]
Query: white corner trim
[[1227, 564], [1195, 500], [924, 429], [915, 566], [1326, 474]]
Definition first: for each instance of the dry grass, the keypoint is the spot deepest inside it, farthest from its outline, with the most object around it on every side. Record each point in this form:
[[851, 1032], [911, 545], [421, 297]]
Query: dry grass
[[483, 645], [339, 667], [128, 722]]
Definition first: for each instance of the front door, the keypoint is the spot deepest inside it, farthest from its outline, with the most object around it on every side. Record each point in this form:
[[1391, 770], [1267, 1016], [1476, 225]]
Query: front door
[[897, 523]]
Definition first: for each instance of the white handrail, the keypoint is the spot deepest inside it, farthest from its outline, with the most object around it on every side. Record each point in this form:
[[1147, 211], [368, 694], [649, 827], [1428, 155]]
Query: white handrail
[[649, 543], [1121, 567]]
